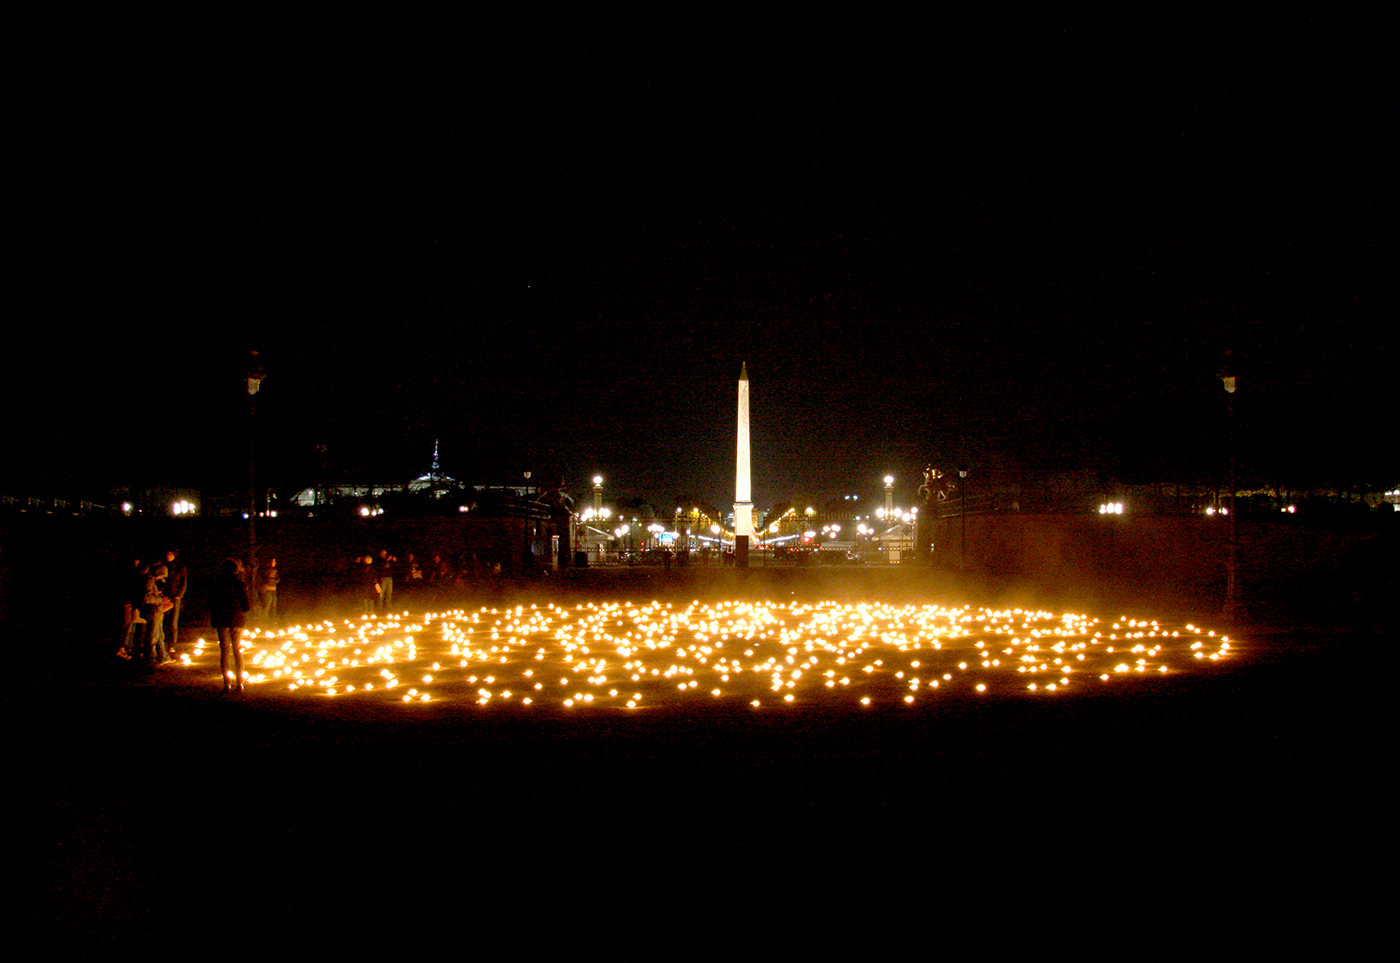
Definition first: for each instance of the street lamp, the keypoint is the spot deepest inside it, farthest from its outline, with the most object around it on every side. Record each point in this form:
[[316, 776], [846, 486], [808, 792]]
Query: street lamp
[[889, 495], [962, 512], [1232, 609], [255, 377], [527, 559]]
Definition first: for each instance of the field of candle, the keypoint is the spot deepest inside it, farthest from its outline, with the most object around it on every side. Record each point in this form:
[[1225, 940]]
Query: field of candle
[[630, 657]]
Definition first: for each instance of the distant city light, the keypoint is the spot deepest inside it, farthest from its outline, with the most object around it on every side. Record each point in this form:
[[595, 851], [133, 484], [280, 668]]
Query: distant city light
[[1111, 508]]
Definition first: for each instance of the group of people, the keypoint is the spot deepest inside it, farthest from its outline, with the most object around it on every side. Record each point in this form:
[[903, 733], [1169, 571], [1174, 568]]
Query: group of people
[[155, 591], [151, 604], [375, 578], [154, 597]]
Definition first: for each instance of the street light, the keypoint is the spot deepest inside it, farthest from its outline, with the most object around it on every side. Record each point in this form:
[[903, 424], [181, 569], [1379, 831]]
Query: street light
[[1232, 609], [962, 512], [527, 559], [255, 378]]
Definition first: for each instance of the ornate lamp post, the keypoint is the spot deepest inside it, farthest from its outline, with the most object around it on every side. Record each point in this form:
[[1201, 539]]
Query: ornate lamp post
[[962, 512], [255, 377], [526, 559], [1232, 609]]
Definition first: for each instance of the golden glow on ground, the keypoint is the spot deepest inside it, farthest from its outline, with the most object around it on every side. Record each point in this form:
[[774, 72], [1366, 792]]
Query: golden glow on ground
[[625, 656]]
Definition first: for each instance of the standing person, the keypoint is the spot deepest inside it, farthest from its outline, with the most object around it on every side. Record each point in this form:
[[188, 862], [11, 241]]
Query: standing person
[[176, 583], [267, 589], [153, 608], [368, 581], [133, 597], [228, 605], [252, 578], [440, 577], [384, 568]]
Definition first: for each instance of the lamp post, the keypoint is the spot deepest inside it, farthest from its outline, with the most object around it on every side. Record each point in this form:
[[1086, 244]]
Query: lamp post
[[525, 560], [255, 377], [889, 495], [1232, 609], [597, 510], [962, 513]]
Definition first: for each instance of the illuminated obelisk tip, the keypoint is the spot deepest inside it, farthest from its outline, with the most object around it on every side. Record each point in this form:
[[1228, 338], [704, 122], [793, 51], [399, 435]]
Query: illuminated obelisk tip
[[743, 503]]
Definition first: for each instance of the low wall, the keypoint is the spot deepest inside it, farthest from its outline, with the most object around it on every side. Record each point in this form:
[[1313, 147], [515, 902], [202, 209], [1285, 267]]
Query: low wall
[[1287, 570]]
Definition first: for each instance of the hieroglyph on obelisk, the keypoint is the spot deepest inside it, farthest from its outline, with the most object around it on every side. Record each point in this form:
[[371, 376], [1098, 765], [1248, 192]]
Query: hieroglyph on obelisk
[[743, 495]]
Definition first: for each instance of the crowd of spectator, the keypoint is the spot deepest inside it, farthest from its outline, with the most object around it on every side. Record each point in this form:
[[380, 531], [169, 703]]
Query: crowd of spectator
[[154, 589]]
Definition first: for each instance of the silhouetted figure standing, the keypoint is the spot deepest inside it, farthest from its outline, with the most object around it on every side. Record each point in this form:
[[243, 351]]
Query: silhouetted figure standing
[[267, 590], [153, 609], [228, 607], [133, 597], [440, 577], [384, 569], [367, 579], [176, 584]]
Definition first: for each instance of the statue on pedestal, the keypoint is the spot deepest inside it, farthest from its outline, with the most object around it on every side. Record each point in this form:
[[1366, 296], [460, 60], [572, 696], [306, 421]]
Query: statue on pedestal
[[935, 489]]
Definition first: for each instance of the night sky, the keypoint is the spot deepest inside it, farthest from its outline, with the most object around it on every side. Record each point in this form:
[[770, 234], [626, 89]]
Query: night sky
[[551, 245]]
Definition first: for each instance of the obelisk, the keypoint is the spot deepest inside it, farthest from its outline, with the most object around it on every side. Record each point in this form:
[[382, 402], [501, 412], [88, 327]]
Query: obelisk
[[743, 494]]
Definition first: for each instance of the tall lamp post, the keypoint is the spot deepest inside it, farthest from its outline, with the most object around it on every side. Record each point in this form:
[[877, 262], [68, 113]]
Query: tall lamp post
[[255, 377], [527, 559], [1233, 608], [962, 513], [597, 511]]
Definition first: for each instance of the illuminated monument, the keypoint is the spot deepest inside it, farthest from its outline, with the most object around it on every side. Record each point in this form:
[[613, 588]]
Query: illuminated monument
[[743, 495]]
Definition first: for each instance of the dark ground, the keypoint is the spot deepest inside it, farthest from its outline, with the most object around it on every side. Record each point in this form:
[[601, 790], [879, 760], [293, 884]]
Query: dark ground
[[1243, 806]]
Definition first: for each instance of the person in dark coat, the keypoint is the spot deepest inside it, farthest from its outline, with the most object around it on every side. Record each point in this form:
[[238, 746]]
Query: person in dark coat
[[367, 582], [228, 607], [176, 584], [384, 567]]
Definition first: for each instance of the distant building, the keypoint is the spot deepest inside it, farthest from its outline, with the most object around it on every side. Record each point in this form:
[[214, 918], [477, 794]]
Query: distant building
[[433, 484]]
